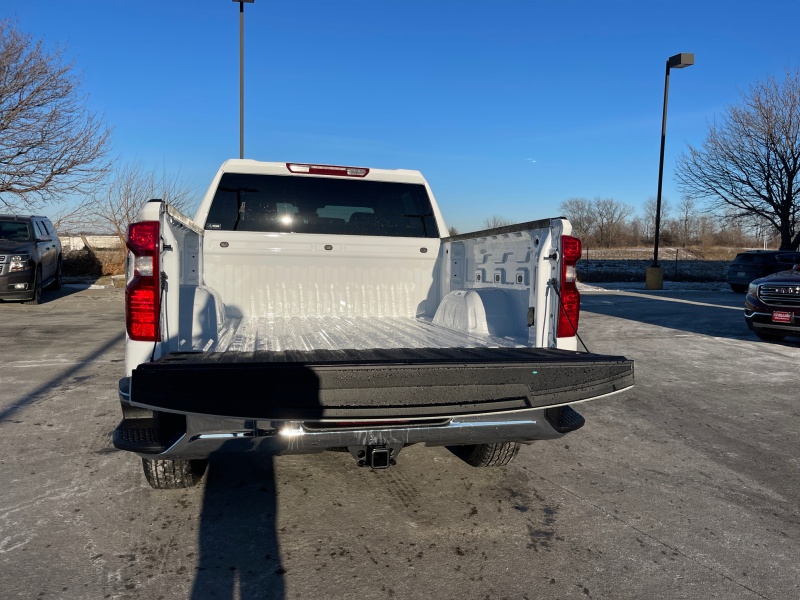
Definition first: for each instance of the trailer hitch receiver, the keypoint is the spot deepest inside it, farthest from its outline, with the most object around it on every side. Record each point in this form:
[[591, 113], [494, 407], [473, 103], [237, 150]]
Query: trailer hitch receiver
[[375, 457]]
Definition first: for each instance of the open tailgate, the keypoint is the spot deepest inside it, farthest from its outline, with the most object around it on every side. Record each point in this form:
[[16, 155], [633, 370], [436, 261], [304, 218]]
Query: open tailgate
[[369, 384]]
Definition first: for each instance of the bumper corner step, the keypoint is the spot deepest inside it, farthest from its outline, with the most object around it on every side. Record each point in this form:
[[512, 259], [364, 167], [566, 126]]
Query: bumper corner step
[[138, 435], [565, 419]]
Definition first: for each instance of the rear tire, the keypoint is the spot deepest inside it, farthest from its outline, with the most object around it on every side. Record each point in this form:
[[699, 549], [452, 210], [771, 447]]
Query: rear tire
[[738, 288], [487, 455], [173, 474], [37, 289], [769, 337]]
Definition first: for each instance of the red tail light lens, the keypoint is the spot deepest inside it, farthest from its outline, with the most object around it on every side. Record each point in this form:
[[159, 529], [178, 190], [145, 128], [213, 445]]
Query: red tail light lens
[[570, 308], [571, 249], [569, 311], [142, 294]]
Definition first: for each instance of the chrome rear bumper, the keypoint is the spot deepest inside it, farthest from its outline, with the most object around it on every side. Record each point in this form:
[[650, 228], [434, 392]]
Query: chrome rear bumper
[[205, 435]]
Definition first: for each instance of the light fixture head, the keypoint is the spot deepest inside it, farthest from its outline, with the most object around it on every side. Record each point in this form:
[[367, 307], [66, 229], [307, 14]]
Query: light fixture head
[[679, 61]]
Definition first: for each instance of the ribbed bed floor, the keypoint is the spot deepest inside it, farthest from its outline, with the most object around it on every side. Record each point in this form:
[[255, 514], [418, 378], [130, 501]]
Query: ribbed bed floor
[[337, 333]]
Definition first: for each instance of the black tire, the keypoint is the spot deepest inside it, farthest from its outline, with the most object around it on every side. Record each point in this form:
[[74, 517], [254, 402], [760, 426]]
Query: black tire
[[487, 455], [56, 283], [173, 474], [769, 337], [37, 289], [738, 288]]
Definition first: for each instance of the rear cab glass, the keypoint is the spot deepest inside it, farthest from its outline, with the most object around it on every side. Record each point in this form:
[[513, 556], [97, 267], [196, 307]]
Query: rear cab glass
[[321, 205]]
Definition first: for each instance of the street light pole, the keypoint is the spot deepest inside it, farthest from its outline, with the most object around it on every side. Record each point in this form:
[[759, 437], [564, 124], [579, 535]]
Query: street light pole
[[678, 61], [241, 75]]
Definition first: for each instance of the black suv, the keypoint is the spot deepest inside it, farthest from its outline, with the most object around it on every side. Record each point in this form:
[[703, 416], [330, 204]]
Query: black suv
[[753, 264], [772, 305], [30, 258]]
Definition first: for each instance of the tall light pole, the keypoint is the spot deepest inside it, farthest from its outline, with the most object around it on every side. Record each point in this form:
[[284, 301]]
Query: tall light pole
[[655, 276], [241, 75]]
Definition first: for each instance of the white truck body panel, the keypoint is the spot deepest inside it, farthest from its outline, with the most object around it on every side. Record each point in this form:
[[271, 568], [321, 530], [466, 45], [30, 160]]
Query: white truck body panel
[[309, 274], [295, 327], [235, 281]]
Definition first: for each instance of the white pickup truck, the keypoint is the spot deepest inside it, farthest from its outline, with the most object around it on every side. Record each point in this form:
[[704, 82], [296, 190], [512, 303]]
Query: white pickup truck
[[315, 307]]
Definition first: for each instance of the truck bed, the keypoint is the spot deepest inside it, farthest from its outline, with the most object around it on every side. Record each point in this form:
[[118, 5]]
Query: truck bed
[[280, 333]]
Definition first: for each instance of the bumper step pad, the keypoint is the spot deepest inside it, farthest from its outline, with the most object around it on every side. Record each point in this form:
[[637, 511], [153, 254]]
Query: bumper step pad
[[138, 435], [373, 384], [565, 419]]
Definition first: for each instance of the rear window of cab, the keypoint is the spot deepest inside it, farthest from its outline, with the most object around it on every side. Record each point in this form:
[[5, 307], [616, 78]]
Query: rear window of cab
[[321, 205]]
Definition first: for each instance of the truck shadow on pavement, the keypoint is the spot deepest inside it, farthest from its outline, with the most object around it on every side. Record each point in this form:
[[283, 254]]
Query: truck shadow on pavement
[[49, 387], [238, 539], [716, 314], [238, 542]]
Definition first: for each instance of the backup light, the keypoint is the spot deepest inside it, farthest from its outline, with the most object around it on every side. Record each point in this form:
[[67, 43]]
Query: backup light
[[144, 265]]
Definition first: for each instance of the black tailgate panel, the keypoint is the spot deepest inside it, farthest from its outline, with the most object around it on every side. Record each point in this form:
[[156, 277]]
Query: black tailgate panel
[[353, 384]]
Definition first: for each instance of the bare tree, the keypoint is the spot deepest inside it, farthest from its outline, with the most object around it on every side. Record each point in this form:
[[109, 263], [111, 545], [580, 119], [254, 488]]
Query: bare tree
[[649, 209], [707, 228], [496, 221], [636, 229], [50, 144], [750, 160], [581, 214], [611, 217], [71, 217], [452, 231], [115, 205], [686, 220]]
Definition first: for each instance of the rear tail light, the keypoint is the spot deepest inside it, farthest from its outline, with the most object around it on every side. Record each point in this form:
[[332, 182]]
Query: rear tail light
[[327, 170], [570, 307], [142, 294]]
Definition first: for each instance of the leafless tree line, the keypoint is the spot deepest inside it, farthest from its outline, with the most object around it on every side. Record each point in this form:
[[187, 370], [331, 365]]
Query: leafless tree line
[[606, 223], [113, 205], [53, 149], [741, 187]]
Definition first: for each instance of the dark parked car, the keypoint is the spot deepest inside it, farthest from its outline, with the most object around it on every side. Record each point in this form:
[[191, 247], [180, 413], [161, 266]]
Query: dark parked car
[[30, 258], [772, 305], [753, 264]]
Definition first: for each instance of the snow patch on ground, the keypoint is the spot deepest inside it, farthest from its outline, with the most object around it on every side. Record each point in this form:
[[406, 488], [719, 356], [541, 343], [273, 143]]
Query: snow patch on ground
[[669, 286]]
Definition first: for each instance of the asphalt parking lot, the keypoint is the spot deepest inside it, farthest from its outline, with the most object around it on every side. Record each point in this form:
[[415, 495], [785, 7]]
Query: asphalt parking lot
[[685, 487]]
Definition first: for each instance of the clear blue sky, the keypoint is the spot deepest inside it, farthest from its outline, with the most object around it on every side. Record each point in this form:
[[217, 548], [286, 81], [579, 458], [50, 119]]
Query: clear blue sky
[[470, 92]]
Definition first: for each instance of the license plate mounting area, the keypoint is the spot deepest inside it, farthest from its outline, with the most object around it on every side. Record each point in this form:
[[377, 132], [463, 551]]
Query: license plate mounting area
[[782, 316]]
